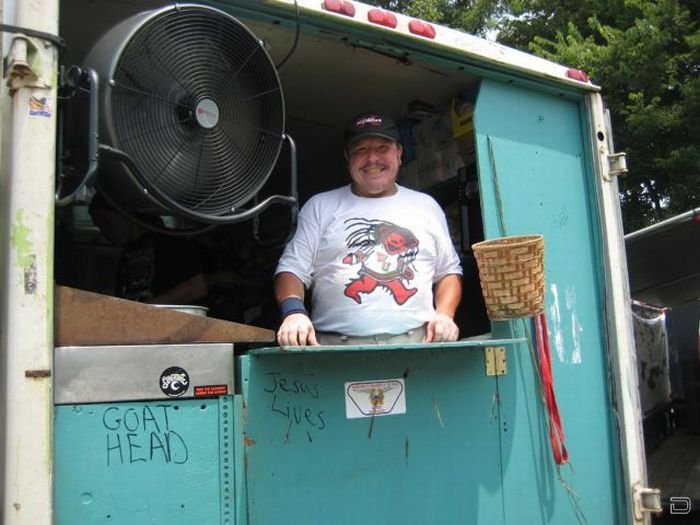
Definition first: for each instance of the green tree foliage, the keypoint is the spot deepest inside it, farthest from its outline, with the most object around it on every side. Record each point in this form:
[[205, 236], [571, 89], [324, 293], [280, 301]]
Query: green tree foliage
[[646, 56]]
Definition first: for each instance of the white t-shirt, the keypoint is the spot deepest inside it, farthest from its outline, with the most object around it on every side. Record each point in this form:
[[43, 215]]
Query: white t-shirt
[[370, 263]]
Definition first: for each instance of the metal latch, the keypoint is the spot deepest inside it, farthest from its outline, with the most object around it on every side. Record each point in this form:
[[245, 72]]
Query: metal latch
[[646, 500], [495, 357], [617, 164]]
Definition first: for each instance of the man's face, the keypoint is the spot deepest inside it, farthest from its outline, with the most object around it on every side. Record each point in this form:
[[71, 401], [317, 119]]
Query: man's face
[[373, 163]]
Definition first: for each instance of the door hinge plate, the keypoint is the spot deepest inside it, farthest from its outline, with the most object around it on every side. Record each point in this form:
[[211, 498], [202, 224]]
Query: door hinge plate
[[617, 165], [495, 359], [646, 500]]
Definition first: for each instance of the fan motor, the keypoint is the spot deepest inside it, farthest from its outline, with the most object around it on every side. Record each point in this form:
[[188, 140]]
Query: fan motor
[[190, 96]]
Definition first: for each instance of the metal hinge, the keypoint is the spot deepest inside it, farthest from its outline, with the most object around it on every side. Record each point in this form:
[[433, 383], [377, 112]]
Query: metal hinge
[[645, 500], [495, 358], [617, 164]]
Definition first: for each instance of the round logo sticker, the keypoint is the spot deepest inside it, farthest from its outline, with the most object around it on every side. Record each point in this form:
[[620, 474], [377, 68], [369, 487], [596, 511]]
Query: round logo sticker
[[174, 381]]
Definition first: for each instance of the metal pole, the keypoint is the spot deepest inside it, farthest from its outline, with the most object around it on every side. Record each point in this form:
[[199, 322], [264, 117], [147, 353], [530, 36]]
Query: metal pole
[[26, 260]]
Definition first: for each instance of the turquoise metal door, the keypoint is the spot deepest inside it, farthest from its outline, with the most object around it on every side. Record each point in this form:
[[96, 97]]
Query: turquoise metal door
[[139, 437], [311, 459], [138, 463], [534, 160]]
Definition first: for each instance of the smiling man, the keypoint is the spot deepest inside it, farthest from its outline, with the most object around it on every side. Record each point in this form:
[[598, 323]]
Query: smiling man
[[376, 257]]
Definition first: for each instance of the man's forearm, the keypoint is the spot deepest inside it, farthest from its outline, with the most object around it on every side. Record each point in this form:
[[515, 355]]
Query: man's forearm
[[288, 285], [448, 294]]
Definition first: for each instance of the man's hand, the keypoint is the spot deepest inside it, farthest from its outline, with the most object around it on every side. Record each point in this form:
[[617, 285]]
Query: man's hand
[[441, 328], [297, 330]]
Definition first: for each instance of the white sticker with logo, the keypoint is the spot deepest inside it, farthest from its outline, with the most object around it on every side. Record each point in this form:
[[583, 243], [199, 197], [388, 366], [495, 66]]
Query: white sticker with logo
[[375, 398]]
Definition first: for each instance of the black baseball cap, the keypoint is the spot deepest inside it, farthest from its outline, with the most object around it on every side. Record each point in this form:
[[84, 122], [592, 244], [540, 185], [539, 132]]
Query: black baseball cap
[[371, 125]]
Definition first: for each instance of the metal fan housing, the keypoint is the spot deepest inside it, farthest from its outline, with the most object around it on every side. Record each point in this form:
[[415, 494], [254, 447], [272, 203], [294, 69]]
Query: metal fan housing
[[190, 95]]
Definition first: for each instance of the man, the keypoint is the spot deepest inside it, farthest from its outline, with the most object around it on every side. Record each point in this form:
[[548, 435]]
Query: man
[[377, 257]]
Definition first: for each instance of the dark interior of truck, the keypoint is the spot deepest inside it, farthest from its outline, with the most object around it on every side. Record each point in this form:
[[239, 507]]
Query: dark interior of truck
[[326, 77]]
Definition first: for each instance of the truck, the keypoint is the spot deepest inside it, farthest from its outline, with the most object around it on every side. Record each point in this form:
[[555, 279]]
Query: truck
[[221, 118]]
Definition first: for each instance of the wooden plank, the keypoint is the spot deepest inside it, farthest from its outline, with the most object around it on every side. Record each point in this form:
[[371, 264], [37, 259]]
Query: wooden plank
[[87, 318]]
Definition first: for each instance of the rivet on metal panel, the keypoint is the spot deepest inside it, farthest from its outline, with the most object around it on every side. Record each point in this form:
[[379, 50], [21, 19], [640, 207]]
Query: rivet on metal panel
[[495, 359]]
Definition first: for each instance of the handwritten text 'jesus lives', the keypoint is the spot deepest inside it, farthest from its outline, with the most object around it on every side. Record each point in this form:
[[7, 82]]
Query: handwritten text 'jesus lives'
[[294, 399]]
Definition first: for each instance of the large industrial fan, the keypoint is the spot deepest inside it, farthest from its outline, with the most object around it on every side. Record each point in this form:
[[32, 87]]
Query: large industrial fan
[[191, 115]]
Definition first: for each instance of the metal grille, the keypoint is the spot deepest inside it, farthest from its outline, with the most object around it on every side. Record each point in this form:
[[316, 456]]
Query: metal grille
[[197, 104]]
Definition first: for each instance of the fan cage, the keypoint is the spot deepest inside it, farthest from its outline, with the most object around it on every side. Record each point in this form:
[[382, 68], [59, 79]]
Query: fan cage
[[185, 60]]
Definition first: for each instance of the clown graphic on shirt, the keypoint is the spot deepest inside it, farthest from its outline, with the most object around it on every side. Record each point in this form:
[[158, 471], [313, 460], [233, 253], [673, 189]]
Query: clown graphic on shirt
[[384, 252]]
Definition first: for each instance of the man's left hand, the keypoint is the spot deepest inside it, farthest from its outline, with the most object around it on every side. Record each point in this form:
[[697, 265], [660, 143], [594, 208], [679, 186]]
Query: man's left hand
[[441, 328]]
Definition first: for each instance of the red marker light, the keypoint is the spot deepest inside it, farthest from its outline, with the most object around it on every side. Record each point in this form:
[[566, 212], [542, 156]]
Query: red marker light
[[383, 18], [342, 7], [577, 74], [420, 28]]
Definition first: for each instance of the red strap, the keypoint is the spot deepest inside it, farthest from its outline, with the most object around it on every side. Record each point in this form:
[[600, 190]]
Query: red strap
[[556, 432]]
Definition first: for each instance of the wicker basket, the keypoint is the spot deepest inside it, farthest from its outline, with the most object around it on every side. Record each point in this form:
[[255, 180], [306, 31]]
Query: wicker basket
[[511, 271]]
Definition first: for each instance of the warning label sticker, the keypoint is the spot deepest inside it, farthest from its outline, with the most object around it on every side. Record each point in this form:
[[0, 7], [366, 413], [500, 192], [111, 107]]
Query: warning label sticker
[[210, 390], [375, 398]]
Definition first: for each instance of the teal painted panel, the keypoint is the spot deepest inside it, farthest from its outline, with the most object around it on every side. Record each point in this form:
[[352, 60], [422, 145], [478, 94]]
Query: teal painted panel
[[406, 347], [307, 462], [144, 463], [533, 154], [240, 503]]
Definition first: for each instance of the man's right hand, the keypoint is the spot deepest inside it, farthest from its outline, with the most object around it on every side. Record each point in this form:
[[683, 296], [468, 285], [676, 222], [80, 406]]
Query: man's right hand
[[297, 330]]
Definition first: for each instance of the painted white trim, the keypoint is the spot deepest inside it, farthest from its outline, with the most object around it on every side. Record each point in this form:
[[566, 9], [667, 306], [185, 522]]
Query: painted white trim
[[26, 307], [621, 349]]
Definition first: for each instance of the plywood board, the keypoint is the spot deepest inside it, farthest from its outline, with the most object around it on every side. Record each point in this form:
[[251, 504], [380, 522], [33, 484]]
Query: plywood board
[[87, 318]]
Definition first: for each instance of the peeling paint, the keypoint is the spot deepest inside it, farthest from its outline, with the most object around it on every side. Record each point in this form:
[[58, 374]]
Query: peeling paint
[[576, 327], [555, 328], [24, 252], [436, 408], [20, 241], [495, 403], [30, 276], [576, 330], [575, 355]]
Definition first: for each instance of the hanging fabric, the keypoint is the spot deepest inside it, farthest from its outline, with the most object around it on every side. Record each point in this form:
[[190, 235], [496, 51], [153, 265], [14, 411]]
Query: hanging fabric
[[556, 431]]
